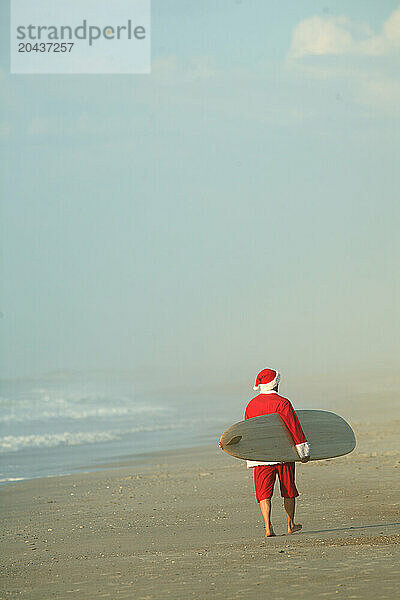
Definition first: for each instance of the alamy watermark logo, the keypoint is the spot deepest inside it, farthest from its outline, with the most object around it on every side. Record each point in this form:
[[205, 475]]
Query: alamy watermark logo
[[80, 36]]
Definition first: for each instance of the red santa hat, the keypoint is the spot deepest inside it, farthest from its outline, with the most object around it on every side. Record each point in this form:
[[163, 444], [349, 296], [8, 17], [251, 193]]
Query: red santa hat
[[268, 378]]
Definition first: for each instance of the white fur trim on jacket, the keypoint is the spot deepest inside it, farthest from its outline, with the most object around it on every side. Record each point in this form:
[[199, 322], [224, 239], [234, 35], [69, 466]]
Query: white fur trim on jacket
[[270, 385], [303, 450], [254, 463]]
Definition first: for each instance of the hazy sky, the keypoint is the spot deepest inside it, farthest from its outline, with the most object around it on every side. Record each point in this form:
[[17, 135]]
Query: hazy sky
[[237, 208]]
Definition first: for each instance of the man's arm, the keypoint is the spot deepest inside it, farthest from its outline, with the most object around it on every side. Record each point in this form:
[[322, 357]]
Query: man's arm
[[286, 411]]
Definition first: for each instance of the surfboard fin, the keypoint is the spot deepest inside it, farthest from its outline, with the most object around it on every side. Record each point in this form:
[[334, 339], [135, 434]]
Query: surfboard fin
[[234, 440]]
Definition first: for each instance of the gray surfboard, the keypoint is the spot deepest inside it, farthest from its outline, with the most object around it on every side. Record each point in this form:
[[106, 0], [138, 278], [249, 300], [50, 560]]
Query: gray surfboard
[[267, 438]]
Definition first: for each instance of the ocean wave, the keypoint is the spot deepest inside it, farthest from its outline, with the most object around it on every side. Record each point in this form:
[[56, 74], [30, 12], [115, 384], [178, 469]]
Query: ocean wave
[[14, 443], [66, 411]]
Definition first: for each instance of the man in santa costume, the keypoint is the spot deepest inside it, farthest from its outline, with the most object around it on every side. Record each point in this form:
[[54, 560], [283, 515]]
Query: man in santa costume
[[269, 401]]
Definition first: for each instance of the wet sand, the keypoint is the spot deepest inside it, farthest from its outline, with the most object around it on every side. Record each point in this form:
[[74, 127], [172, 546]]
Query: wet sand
[[186, 525]]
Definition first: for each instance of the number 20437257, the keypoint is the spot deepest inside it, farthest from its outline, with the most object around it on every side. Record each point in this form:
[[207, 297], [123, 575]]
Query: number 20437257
[[46, 47]]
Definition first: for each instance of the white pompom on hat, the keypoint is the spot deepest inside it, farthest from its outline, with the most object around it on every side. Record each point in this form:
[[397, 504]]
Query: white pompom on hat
[[268, 378]]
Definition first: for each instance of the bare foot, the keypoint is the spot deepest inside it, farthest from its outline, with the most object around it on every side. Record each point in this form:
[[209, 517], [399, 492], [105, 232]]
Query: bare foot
[[295, 527], [270, 533]]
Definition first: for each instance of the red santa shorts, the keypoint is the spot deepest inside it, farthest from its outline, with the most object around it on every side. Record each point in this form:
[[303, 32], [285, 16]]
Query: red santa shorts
[[264, 480]]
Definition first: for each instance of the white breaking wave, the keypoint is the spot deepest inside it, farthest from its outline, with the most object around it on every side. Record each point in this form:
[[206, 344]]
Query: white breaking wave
[[75, 412], [13, 443], [41, 404]]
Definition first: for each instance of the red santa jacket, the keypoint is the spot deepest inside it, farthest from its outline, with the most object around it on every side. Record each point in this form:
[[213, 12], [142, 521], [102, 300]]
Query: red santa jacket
[[271, 402]]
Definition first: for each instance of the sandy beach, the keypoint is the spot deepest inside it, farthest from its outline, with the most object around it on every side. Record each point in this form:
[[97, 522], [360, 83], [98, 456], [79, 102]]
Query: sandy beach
[[186, 525]]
